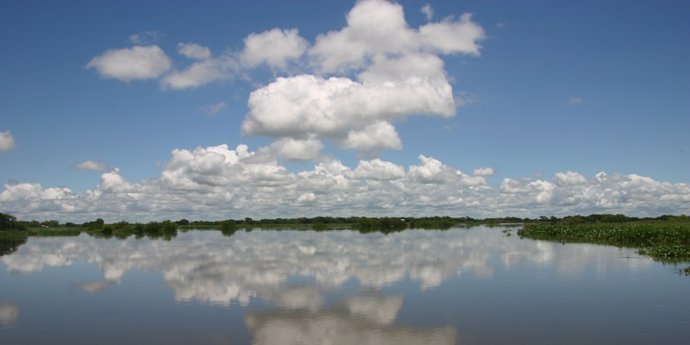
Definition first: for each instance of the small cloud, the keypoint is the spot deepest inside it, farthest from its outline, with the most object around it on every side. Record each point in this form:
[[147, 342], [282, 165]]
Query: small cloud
[[213, 109], [463, 98], [573, 101], [91, 165], [145, 37], [501, 25], [428, 11], [138, 62], [485, 171], [6, 141], [193, 51], [450, 127]]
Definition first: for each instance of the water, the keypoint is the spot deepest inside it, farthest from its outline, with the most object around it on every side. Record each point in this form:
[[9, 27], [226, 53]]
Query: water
[[462, 286]]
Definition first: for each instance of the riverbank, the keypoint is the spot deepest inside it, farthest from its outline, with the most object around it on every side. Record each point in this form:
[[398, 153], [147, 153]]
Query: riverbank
[[664, 240]]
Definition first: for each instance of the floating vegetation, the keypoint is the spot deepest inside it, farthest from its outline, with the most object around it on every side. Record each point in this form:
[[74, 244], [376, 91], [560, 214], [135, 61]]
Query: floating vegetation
[[667, 240]]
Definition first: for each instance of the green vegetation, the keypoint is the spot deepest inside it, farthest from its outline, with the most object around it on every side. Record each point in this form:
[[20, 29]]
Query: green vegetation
[[665, 238], [385, 225]]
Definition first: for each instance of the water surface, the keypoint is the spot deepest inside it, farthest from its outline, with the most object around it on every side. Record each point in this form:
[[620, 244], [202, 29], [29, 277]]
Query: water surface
[[462, 286]]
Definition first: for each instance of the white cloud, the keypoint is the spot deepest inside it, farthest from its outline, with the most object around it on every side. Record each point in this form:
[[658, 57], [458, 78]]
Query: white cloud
[[295, 149], [486, 171], [6, 141], [273, 47], [398, 74], [307, 105], [193, 51], [452, 37], [570, 178], [378, 28], [202, 73], [378, 136], [219, 182], [377, 169], [91, 165], [392, 71], [138, 62], [428, 11], [214, 109]]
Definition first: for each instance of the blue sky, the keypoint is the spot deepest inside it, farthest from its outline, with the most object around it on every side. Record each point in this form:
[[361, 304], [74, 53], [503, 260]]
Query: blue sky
[[537, 89]]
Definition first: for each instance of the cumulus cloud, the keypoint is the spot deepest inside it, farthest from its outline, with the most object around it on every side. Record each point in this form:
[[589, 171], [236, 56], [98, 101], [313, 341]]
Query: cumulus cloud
[[398, 73], [219, 182], [274, 47], [193, 51], [6, 141], [294, 149], [378, 136], [387, 70], [91, 165], [450, 36], [307, 105], [137, 62], [378, 28], [377, 169]]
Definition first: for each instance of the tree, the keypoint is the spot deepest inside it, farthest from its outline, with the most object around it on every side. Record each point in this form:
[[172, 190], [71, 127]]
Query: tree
[[9, 222]]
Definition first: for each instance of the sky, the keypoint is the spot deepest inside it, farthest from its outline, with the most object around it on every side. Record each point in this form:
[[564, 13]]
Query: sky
[[130, 110]]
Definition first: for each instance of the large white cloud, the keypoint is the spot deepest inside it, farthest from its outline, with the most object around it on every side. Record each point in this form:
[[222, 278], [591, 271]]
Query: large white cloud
[[308, 105], [137, 62], [388, 71], [6, 141], [398, 73], [378, 28]]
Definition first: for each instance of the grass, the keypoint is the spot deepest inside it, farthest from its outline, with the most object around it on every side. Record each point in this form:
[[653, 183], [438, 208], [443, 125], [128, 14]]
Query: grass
[[662, 240]]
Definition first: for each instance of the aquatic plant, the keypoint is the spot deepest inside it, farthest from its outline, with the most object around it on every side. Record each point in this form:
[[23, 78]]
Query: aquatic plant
[[662, 240]]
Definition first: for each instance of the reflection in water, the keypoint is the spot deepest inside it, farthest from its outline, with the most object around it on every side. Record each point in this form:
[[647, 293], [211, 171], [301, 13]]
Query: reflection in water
[[8, 314], [340, 287], [361, 320], [206, 267], [94, 287], [10, 246]]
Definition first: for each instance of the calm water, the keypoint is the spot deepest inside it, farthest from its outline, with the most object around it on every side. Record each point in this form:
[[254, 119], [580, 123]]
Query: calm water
[[476, 286]]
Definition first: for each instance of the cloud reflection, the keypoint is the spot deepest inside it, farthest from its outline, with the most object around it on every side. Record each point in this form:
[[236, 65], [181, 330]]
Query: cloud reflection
[[9, 313], [361, 320], [206, 267], [94, 287]]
